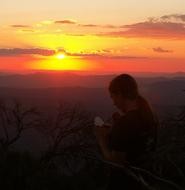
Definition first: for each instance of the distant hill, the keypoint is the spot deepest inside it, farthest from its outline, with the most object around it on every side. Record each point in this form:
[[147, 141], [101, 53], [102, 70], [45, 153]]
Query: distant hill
[[48, 80], [170, 92], [48, 90], [45, 80]]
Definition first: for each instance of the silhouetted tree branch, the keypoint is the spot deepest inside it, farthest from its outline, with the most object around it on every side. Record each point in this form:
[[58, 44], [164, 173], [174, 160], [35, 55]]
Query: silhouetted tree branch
[[14, 119], [64, 129]]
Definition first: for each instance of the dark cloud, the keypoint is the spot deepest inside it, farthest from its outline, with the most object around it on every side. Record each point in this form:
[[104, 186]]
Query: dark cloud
[[102, 56], [89, 25], [19, 26], [110, 26], [156, 29], [85, 54], [65, 22], [106, 51], [178, 17], [167, 26], [96, 25], [82, 55], [161, 50], [19, 51]]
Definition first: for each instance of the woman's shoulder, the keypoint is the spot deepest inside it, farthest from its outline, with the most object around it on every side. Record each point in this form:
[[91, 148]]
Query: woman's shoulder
[[132, 115], [136, 119], [131, 118]]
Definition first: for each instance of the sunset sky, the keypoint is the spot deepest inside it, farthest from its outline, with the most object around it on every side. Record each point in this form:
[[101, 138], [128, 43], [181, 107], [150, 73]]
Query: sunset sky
[[98, 36]]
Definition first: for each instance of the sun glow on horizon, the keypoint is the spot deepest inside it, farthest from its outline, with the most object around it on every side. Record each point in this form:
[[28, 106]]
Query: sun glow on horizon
[[60, 56], [61, 62]]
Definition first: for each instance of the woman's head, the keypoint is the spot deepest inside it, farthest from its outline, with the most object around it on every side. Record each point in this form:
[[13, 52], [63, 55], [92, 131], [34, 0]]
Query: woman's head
[[124, 91], [124, 85]]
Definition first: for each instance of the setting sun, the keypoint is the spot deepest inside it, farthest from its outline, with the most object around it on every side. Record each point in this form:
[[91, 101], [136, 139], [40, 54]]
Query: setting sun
[[150, 40], [60, 56], [61, 62]]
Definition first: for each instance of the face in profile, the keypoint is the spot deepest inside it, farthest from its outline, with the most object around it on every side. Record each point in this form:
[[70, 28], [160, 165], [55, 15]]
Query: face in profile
[[118, 101]]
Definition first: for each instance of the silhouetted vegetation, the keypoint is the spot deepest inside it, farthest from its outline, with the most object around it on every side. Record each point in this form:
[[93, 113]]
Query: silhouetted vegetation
[[69, 157], [14, 120]]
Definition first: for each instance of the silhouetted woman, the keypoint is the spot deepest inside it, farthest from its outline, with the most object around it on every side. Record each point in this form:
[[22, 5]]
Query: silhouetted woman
[[132, 137]]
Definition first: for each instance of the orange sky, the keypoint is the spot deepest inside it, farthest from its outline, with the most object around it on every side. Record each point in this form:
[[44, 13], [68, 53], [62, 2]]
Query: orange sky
[[76, 40]]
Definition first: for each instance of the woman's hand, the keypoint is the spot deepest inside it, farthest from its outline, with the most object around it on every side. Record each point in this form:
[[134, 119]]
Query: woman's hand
[[102, 132], [116, 116]]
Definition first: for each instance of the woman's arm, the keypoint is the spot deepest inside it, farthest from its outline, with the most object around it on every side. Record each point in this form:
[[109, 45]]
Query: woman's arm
[[102, 134]]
